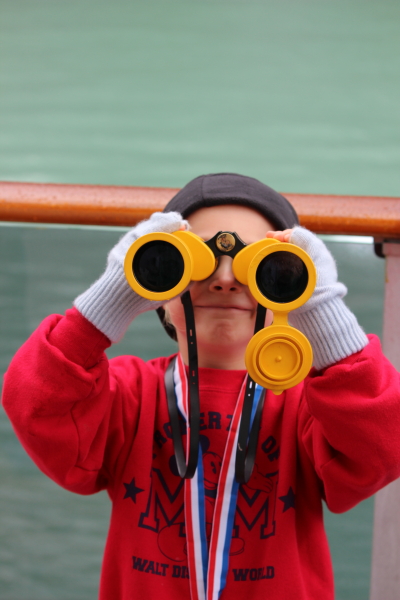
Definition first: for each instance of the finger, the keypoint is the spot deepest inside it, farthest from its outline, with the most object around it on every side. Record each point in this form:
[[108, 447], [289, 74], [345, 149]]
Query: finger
[[273, 234], [280, 236]]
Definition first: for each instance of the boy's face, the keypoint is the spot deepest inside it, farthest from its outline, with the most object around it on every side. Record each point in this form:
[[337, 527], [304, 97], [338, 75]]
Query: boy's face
[[224, 309]]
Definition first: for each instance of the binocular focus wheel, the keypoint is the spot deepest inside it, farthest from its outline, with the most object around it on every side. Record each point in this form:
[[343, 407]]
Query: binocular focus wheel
[[278, 357]]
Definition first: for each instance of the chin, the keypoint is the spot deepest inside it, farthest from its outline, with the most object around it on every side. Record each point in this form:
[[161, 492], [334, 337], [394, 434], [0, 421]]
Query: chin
[[223, 334]]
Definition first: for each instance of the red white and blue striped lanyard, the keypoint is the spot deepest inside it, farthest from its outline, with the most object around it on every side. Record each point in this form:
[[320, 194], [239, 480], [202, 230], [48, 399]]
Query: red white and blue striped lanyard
[[208, 567]]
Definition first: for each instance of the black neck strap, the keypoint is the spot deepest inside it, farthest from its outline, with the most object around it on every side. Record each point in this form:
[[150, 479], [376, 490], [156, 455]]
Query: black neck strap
[[186, 469], [247, 440]]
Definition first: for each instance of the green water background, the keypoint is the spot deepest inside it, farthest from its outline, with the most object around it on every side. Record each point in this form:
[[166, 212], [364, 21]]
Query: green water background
[[303, 95]]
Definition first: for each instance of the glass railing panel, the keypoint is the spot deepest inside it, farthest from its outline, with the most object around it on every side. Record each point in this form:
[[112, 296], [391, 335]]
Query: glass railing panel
[[53, 540]]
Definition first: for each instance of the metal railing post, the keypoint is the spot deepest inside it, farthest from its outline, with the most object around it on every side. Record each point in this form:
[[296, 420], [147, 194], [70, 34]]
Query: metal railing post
[[385, 569]]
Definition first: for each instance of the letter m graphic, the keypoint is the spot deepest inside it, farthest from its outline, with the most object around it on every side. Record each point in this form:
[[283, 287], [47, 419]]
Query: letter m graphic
[[256, 509], [164, 505]]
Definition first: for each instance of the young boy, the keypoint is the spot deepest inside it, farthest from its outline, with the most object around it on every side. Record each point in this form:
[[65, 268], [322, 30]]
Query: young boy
[[92, 424]]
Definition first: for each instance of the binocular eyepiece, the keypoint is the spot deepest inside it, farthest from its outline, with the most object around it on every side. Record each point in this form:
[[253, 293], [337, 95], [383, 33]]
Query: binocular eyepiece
[[280, 276]]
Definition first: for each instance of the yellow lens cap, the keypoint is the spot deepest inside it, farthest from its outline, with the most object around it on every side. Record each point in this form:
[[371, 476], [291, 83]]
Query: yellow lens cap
[[278, 357]]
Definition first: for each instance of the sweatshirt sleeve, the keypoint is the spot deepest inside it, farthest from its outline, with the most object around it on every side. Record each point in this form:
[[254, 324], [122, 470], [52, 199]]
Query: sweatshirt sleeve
[[350, 426], [66, 404]]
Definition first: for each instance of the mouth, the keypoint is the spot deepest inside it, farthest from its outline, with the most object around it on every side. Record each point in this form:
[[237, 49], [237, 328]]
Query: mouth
[[223, 307]]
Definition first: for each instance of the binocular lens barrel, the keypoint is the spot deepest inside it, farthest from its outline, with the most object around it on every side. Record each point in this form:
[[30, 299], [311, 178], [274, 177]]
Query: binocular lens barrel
[[282, 277], [158, 266]]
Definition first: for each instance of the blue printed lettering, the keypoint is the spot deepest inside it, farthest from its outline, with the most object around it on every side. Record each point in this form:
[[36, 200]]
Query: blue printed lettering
[[253, 574], [149, 566], [159, 438], [180, 572], [214, 420]]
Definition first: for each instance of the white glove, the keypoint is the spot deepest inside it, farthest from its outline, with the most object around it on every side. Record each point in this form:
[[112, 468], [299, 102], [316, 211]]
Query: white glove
[[110, 304], [325, 320]]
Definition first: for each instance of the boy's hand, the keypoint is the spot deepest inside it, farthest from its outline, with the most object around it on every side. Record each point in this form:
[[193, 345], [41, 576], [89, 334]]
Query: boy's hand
[[110, 303], [325, 320]]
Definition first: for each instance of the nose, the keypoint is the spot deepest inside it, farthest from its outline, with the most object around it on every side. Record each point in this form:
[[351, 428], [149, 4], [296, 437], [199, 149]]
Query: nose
[[223, 279]]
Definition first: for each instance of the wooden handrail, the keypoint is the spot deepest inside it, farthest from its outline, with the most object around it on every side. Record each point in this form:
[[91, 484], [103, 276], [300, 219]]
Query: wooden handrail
[[114, 205]]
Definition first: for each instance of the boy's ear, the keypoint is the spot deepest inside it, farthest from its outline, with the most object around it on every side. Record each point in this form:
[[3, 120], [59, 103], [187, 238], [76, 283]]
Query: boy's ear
[[169, 328]]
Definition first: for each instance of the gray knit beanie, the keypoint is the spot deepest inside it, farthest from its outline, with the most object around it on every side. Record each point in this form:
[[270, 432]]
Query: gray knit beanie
[[230, 188]]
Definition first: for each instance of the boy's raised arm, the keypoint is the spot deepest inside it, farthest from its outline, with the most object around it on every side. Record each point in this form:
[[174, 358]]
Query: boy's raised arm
[[350, 422], [62, 397]]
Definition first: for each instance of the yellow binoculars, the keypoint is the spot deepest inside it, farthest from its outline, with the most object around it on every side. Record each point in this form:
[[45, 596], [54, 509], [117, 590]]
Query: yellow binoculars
[[280, 276]]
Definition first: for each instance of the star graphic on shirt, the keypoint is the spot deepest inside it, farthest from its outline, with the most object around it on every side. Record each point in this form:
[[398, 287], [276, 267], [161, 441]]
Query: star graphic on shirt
[[132, 490], [289, 501]]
